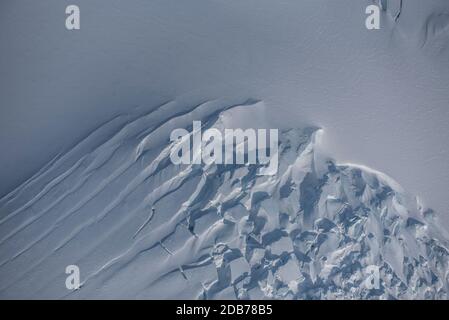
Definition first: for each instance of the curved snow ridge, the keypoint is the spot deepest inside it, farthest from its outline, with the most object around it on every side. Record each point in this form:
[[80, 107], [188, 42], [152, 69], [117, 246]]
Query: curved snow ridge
[[139, 226], [430, 29]]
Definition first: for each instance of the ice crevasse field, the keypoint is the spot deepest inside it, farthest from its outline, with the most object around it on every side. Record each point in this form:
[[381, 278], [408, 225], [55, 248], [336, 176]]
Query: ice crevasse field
[[362, 173]]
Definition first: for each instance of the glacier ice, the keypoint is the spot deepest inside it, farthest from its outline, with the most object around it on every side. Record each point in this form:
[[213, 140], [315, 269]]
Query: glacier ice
[[140, 227]]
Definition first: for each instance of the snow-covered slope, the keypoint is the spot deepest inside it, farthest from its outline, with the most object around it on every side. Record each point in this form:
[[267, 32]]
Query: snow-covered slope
[[139, 226], [381, 95]]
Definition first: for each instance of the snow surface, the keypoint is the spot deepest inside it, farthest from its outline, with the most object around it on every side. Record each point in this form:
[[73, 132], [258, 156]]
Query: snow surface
[[140, 227], [347, 100]]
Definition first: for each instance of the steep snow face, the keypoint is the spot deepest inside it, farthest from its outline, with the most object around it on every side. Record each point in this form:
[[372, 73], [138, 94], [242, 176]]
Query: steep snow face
[[381, 95], [138, 226]]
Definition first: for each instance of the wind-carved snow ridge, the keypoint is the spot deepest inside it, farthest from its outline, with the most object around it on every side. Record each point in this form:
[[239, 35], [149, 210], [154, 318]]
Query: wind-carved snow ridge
[[433, 30], [140, 227], [394, 7]]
